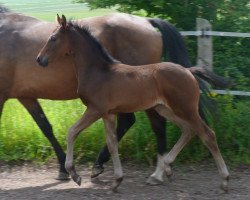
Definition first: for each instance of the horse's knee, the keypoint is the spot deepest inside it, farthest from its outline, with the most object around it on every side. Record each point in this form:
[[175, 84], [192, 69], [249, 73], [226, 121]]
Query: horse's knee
[[71, 134]]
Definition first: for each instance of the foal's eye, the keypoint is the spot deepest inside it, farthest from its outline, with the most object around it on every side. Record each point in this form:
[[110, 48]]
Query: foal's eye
[[53, 38]]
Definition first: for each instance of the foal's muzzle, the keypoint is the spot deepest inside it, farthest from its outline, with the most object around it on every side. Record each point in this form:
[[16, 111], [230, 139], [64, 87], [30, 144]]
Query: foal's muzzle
[[43, 61]]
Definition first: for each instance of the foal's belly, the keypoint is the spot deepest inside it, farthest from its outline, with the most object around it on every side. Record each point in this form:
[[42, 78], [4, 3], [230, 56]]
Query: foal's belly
[[139, 100]]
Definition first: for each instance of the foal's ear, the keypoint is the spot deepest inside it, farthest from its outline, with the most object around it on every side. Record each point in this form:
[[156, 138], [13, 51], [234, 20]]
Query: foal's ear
[[58, 19], [63, 21]]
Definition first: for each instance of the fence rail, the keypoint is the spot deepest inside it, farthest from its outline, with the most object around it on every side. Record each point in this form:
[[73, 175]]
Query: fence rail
[[214, 33], [204, 35], [231, 92]]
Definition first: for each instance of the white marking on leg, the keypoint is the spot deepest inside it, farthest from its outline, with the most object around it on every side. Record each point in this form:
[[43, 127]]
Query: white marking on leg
[[186, 135], [159, 171]]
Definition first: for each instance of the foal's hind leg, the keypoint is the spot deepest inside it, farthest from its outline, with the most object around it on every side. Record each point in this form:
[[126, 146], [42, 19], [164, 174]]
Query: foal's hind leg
[[35, 110], [209, 139], [109, 122], [186, 136]]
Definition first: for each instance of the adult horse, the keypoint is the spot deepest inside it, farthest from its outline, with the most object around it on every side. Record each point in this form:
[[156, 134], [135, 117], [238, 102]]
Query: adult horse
[[170, 89], [130, 39]]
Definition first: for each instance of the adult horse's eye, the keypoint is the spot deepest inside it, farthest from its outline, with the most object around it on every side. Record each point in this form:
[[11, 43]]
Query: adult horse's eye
[[53, 38]]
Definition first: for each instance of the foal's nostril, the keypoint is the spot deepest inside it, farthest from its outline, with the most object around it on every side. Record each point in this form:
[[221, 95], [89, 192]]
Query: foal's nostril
[[42, 61], [38, 59]]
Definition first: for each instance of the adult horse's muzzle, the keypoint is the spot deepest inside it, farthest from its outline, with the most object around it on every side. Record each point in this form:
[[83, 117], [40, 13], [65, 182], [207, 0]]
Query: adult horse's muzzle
[[42, 60]]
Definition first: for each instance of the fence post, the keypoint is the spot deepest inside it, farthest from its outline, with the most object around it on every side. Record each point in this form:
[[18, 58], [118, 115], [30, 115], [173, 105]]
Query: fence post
[[205, 46]]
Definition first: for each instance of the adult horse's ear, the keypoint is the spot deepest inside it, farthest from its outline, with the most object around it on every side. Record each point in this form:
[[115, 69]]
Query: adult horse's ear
[[58, 19], [63, 21]]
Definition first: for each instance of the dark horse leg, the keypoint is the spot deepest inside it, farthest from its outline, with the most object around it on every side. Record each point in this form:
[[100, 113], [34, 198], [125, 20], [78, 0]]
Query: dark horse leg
[[125, 121], [158, 124], [2, 101], [35, 110]]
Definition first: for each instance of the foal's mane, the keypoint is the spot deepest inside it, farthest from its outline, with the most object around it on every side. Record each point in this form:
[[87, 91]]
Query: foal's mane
[[86, 33]]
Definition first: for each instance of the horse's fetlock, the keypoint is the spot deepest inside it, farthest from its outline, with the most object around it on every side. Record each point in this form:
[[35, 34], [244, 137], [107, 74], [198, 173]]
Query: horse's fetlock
[[68, 166]]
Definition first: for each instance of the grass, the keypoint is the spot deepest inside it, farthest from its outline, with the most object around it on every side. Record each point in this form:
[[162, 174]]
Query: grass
[[20, 138]]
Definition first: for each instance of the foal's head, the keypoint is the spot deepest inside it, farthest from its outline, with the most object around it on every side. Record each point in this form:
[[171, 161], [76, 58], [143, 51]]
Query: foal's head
[[60, 44], [57, 45]]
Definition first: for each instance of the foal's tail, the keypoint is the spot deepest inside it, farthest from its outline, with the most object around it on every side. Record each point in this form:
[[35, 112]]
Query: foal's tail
[[210, 77], [173, 44], [206, 104]]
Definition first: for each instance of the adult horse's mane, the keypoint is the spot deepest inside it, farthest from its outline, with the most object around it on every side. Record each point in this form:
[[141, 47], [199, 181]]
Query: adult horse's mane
[[4, 9], [86, 33]]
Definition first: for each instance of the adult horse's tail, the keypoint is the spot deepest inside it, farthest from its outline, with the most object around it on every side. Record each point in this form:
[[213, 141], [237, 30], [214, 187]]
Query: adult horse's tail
[[173, 44]]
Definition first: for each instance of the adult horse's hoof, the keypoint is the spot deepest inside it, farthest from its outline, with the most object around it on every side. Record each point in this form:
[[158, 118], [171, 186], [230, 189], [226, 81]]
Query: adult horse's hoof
[[96, 170], [77, 179], [62, 176], [116, 184], [154, 181]]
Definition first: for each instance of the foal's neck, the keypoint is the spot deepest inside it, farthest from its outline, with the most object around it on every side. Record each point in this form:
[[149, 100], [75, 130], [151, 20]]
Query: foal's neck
[[87, 56]]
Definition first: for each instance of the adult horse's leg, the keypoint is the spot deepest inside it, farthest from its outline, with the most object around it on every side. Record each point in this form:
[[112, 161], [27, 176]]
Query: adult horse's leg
[[124, 122], [112, 142], [158, 124], [2, 101], [35, 110]]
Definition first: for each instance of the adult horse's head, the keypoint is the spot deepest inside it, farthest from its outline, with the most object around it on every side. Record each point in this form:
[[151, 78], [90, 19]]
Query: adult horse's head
[[57, 45]]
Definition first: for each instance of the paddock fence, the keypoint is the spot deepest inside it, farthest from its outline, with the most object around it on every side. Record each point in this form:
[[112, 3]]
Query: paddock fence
[[204, 35]]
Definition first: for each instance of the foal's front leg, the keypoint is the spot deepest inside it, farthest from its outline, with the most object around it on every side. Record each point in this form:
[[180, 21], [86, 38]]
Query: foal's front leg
[[111, 139], [89, 117]]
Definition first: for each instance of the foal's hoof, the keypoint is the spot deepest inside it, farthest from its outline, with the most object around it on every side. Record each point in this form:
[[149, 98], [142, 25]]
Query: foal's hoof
[[116, 184], [170, 177], [224, 185], [96, 170], [154, 181], [77, 179], [63, 176]]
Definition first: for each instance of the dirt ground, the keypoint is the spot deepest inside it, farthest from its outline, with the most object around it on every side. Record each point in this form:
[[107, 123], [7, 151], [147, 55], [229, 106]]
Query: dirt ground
[[189, 182]]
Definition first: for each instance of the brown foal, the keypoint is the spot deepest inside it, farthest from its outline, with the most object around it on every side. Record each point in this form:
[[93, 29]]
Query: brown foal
[[108, 87]]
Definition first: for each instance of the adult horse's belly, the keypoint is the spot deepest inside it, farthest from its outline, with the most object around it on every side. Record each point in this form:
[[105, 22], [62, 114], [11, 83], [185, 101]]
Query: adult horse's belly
[[57, 81]]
